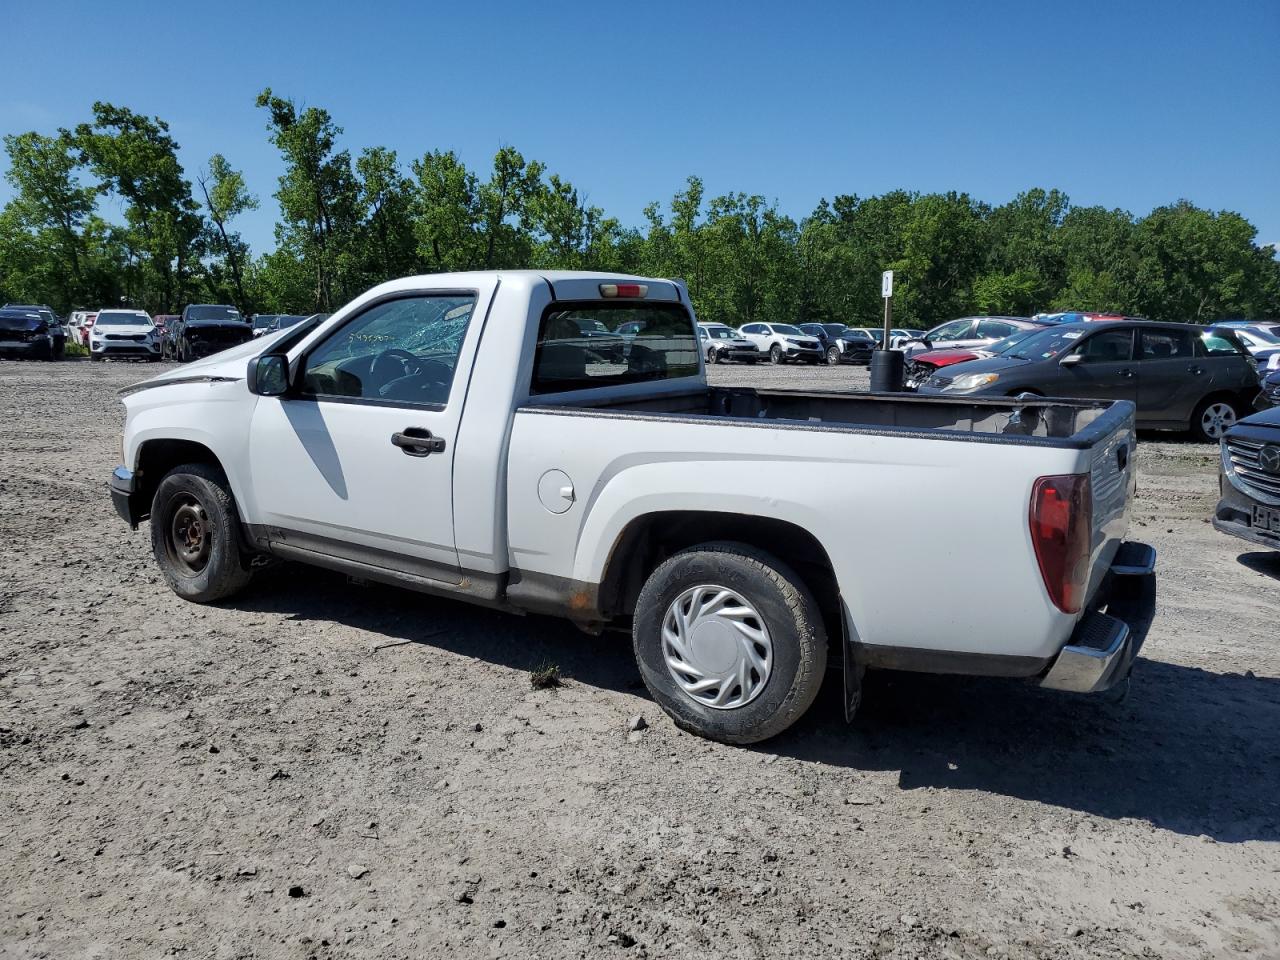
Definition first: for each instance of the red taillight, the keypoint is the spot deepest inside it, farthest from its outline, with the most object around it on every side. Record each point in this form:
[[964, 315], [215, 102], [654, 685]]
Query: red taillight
[[611, 290], [1061, 527]]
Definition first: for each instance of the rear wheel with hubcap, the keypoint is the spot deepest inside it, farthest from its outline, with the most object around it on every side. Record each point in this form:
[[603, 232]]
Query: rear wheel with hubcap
[[729, 642], [195, 534], [1212, 418]]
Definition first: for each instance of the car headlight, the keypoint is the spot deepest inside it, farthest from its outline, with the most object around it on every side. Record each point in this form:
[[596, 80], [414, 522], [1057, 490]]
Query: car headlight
[[972, 380]]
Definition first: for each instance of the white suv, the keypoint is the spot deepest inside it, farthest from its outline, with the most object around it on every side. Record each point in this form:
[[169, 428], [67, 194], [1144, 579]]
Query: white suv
[[124, 333], [782, 342]]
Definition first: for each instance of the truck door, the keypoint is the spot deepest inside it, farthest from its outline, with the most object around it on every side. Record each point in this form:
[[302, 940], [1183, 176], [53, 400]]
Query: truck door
[[356, 461]]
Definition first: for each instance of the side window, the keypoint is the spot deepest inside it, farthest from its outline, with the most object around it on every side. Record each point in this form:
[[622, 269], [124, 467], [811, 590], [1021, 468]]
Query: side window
[[995, 329], [955, 330], [1218, 344], [400, 351], [1111, 346], [751, 328], [1165, 344]]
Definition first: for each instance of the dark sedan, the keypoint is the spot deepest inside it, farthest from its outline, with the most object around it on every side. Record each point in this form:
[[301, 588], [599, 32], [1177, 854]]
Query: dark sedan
[[1180, 376], [1249, 480], [206, 328]]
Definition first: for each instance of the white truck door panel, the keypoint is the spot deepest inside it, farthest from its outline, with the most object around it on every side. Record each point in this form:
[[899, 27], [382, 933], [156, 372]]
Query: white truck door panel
[[357, 460], [330, 470]]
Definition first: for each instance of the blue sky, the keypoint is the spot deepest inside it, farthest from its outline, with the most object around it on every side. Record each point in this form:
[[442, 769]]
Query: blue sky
[[1124, 104]]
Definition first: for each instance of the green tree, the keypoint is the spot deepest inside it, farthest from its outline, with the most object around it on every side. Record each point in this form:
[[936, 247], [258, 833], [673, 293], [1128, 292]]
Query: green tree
[[136, 159], [318, 197], [225, 198]]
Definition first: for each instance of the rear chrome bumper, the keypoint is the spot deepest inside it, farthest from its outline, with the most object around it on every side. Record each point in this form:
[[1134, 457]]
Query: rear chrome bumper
[[1106, 641]]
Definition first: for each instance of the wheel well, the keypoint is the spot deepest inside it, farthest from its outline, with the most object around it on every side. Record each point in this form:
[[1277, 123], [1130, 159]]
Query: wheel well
[[649, 540], [158, 457]]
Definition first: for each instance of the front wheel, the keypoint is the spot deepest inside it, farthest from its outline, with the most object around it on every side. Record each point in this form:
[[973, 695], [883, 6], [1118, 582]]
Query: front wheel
[[833, 356], [195, 534], [1212, 418], [713, 356], [729, 642], [775, 354]]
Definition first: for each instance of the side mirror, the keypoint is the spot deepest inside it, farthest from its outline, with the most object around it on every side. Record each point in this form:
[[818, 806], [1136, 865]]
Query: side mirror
[[268, 375], [1070, 360]]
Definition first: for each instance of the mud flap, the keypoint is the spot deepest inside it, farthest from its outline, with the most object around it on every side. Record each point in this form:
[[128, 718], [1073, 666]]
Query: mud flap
[[851, 669]]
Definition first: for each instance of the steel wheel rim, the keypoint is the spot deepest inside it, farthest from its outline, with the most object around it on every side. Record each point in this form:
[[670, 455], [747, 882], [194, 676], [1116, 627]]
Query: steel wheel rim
[[833, 355], [190, 539], [717, 647], [1217, 419]]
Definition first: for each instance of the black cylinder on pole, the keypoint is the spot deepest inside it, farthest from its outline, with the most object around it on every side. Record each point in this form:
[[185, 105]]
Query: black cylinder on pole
[[886, 371]]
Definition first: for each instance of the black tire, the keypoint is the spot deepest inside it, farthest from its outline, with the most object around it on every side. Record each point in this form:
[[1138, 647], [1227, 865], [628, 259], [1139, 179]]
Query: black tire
[[775, 354], [712, 356], [833, 356], [95, 357], [787, 609], [196, 495], [1201, 431]]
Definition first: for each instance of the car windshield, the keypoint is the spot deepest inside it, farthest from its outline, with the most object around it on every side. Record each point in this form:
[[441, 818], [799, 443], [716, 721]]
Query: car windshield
[[858, 334], [1001, 347], [291, 319], [214, 313], [786, 328], [1264, 334], [834, 329], [116, 318], [263, 320], [1045, 344], [720, 333]]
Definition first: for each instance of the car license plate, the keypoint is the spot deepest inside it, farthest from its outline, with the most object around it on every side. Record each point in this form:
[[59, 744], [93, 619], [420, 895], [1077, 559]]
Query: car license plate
[[1266, 518]]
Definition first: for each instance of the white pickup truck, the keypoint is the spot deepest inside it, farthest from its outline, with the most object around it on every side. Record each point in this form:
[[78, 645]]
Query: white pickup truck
[[481, 436]]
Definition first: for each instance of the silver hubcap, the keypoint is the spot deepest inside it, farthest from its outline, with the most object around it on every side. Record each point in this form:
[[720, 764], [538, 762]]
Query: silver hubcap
[[1217, 419], [717, 647]]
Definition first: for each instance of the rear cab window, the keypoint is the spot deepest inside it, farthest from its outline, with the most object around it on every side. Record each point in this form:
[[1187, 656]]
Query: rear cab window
[[595, 344]]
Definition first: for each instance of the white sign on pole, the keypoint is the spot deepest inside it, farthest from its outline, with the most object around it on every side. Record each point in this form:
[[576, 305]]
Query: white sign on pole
[[886, 284]]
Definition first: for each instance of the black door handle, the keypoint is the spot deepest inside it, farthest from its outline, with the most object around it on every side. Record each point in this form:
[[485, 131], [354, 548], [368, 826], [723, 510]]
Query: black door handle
[[1195, 370], [417, 442], [1126, 372]]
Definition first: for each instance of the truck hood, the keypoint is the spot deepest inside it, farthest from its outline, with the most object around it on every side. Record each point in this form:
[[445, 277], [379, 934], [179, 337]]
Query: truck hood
[[18, 324], [216, 323], [227, 364]]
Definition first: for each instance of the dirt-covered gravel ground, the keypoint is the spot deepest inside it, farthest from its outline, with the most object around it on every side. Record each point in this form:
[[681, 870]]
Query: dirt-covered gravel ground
[[274, 777]]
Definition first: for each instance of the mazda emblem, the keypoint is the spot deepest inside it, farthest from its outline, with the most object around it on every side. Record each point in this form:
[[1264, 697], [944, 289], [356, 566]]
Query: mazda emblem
[[1269, 458]]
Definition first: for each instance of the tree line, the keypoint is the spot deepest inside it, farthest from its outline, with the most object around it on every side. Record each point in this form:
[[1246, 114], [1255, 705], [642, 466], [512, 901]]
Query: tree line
[[347, 222]]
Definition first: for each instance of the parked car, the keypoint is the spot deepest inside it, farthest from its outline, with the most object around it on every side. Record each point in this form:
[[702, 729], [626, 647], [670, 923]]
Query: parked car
[[453, 434], [85, 327], [925, 364], [26, 333], [164, 323], [847, 345], [1180, 376], [897, 336], [1249, 480], [721, 343], [263, 322], [287, 320], [124, 334], [206, 328], [782, 342], [76, 331], [968, 332], [1270, 395], [56, 332], [1258, 339]]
